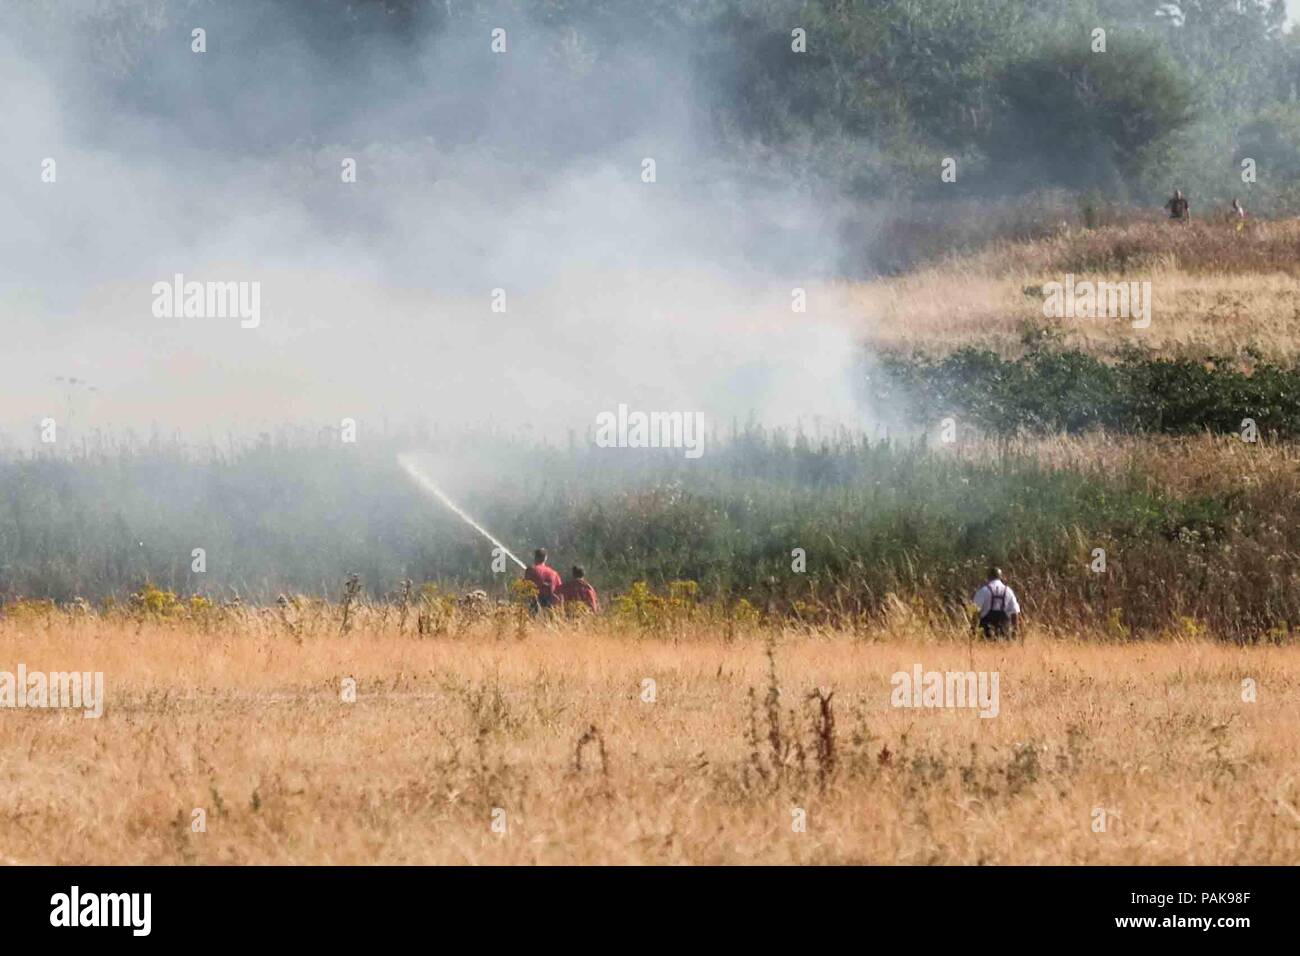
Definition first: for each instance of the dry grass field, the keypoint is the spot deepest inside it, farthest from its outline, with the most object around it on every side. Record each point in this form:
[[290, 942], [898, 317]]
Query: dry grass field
[[548, 726], [232, 735], [1214, 290]]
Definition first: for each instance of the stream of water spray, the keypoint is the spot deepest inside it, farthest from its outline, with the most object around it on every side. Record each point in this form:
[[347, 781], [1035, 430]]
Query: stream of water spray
[[425, 482]]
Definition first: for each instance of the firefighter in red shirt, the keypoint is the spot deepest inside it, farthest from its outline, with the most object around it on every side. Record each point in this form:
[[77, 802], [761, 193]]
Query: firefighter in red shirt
[[578, 591], [545, 578]]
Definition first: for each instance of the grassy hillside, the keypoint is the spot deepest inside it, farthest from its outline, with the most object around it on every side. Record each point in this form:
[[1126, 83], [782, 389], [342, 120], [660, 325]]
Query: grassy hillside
[[1201, 529], [1216, 291]]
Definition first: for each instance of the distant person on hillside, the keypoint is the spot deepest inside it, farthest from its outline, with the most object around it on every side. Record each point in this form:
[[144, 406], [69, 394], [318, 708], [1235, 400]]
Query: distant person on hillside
[[545, 578], [578, 591], [1238, 214], [998, 607], [1179, 208]]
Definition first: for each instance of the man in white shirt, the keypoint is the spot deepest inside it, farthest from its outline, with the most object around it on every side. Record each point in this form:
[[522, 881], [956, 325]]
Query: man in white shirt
[[998, 607]]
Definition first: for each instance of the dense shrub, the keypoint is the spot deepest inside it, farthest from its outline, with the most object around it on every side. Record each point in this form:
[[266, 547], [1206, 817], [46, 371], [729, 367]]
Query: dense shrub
[[882, 526], [1071, 391]]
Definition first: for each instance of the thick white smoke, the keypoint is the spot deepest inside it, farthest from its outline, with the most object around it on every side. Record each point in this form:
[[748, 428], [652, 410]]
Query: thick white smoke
[[476, 171]]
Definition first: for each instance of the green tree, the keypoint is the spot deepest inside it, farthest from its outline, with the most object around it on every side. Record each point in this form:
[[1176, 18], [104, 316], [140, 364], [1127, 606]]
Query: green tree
[[1080, 119]]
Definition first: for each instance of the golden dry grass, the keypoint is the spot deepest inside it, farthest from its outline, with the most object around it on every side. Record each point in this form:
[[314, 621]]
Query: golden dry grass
[[1213, 291], [1177, 465], [247, 723], [1192, 315]]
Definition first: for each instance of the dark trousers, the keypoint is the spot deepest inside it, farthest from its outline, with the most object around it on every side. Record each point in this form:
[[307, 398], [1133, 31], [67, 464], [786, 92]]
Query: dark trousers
[[995, 624]]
